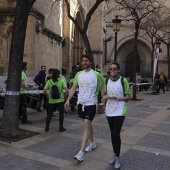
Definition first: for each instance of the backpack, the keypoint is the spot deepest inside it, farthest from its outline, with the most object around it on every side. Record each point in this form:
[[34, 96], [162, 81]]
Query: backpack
[[54, 92], [161, 78], [122, 82]]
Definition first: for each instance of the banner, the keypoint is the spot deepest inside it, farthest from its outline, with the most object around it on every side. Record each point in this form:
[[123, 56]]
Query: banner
[[155, 62]]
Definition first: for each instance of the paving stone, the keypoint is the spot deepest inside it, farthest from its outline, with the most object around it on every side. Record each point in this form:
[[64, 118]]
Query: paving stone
[[145, 109], [145, 140], [101, 120], [13, 162], [138, 113], [130, 122], [139, 160], [163, 127], [167, 119], [59, 147], [155, 141], [99, 131]]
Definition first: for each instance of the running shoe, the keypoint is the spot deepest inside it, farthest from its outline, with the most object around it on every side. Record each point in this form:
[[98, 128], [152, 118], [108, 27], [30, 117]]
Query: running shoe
[[90, 147], [117, 163], [79, 156], [112, 161]]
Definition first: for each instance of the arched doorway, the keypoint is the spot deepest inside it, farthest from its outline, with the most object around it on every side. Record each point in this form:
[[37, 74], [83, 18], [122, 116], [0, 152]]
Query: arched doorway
[[130, 62]]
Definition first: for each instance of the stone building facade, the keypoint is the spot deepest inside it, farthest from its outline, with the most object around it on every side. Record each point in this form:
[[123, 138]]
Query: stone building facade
[[53, 40], [44, 37], [125, 48]]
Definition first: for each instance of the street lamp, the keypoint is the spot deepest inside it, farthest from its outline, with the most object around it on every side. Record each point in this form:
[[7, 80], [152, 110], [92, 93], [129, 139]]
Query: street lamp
[[116, 28], [155, 75], [158, 44]]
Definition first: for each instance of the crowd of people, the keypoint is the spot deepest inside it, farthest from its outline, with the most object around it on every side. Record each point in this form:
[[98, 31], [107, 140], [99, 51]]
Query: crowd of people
[[83, 89], [85, 85], [160, 81]]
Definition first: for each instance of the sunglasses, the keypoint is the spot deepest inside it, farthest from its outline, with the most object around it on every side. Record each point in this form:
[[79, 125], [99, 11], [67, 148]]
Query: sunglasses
[[113, 68]]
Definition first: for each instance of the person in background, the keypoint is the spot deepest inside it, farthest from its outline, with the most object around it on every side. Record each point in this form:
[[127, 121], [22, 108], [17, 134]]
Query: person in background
[[116, 106], [63, 76], [73, 100], [138, 80], [40, 81], [53, 103], [89, 82], [76, 68], [49, 75], [97, 68], [23, 97], [162, 81]]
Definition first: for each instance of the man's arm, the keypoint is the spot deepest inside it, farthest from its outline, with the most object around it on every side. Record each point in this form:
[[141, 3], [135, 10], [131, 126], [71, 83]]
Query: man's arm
[[36, 79], [71, 93], [102, 90], [23, 85]]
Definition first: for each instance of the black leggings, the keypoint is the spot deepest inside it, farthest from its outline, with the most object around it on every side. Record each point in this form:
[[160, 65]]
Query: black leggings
[[115, 125], [50, 111], [163, 87]]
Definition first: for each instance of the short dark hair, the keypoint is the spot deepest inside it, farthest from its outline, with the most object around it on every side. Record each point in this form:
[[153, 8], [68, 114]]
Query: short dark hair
[[24, 64], [43, 66], [87, 56], [63, 71], [55, 75], [117, 64], [50, 70]]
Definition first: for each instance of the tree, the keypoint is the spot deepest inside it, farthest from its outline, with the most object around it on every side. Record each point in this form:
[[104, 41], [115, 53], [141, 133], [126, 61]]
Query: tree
[[164, 36], [155, 26], [83, 31], [137, 11], [11, 107]]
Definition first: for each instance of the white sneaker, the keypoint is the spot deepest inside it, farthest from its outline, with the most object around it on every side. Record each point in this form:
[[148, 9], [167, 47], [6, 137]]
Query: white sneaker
[[79, 156], [90, 147], [112, 161], [117, 163]]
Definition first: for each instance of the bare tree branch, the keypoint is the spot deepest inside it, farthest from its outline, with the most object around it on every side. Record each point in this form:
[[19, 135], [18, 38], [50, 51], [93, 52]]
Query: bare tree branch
[[90, 13], [72, 18]]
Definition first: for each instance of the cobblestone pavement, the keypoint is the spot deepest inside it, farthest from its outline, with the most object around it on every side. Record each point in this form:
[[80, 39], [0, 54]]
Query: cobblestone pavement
[[145, 140]]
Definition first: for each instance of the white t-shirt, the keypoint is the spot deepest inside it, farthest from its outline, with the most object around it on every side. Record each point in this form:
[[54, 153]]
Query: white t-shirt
[[113, 107], [88, 83]]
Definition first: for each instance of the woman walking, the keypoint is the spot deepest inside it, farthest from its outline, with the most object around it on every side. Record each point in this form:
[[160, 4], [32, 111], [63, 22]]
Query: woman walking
[[56, 98], [118, 93]]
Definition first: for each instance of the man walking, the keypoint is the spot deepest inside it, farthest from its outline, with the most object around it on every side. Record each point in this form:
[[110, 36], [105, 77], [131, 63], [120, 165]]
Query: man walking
[[23, 96], [162, 82], [89, 82], [40, 81]]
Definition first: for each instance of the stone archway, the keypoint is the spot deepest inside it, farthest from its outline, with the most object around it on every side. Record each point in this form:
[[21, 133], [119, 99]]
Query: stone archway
[[130, 62], [126, 58]]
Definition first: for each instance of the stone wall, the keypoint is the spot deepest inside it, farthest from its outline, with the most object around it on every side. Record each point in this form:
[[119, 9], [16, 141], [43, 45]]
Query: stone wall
[[44, 36]]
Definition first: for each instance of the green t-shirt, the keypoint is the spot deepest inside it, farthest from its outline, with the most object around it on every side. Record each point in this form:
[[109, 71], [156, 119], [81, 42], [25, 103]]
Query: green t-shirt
[[61, 84], [23, 78], [71, 80], [63, 78]]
